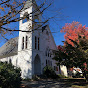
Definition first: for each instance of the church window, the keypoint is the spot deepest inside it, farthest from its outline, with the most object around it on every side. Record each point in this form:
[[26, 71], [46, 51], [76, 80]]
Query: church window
[[50, 54], [35, 42], [46, 62], [38, 43], [54, 68], [26, 42], [25, 17], [51, 63], [46, 52], [23, 43], [47, 32]]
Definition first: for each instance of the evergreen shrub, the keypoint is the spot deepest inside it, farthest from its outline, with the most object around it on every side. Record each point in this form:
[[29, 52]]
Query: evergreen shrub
[[10, 76], [49, 72]]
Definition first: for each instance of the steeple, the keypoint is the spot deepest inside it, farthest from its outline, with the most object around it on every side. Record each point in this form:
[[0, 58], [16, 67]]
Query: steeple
[[28, 4]]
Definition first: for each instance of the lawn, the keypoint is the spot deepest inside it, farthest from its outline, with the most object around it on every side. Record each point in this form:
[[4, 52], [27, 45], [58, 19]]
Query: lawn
[[75, 82]]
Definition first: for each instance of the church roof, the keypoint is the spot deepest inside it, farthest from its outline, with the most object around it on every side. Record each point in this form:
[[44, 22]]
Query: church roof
[[9, 48]]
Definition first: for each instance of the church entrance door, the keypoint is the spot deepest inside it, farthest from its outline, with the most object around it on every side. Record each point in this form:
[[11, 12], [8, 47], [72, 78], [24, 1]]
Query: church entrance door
[[37, 65]]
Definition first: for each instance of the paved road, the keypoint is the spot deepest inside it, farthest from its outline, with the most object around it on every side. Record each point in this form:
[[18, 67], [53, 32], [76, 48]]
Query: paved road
[[46, 84]]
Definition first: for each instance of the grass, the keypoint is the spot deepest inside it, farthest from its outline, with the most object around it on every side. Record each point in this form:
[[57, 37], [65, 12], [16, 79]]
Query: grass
[[76, 86]]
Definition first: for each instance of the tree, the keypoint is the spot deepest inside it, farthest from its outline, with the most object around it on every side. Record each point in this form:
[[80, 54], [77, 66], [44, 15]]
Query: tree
[[73, 31], [9, 14], [60, 54], [49, 72], [75, 47], [78, 55]]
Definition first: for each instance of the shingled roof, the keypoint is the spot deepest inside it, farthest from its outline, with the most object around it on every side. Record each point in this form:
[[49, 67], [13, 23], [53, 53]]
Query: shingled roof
[[9, 48]]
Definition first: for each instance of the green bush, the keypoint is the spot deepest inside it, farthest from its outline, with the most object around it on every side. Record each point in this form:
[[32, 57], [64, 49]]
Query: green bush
[[10, 76], [49, 72], [36, 78]]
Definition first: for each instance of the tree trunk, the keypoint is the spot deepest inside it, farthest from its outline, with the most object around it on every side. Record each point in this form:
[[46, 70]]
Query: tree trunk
[[85, 75]]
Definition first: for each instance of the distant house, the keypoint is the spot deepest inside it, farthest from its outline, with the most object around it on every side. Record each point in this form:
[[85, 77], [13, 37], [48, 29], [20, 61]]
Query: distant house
[[31, 51], [73, 71]]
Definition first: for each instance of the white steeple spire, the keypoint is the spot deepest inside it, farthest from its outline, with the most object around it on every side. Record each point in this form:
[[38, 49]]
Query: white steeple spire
[[28, 4]]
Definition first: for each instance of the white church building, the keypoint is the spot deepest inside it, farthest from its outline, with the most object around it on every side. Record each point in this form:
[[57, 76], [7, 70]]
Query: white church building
[[31, 51]]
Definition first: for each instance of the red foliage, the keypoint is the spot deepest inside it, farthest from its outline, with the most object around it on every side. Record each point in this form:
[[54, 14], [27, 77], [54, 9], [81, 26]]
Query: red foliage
[[72, 31], [85, 64], [60, 48]]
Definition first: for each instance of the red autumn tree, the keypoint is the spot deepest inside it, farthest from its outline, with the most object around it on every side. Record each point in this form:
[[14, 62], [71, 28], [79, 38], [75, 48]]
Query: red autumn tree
[[73, 30], [76, 45]]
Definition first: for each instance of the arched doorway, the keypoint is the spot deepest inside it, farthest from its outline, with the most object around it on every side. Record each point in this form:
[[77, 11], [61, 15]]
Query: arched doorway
[[37, 65]]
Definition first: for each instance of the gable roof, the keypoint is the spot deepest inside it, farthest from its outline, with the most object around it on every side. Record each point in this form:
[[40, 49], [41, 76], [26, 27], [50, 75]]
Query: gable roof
[[52, 37], [9, 48]]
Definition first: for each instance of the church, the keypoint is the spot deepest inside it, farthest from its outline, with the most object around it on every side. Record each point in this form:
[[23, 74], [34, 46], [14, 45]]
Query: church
[[31, 51]]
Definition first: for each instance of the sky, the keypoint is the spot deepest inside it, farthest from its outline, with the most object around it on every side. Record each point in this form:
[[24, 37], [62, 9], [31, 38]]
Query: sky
[[71, 10]]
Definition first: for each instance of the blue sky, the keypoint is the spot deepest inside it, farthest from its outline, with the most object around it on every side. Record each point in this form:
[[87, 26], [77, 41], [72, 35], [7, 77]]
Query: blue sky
[[75, 10], [72, 10]]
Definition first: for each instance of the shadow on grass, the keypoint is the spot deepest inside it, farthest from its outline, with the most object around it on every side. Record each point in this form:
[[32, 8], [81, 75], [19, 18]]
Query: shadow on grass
[[78, 82], [61, 83]]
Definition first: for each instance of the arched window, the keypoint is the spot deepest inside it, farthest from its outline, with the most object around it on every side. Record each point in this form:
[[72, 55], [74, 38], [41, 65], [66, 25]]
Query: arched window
[[54, 68], [46, 52], [25, 17], [38, 44], [46, 62], [51, 63], [50, 54], [23, 43], [26, 43], [35, 42]]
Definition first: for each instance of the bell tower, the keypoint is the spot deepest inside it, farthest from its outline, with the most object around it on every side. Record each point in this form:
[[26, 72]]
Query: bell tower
[[29, 14]]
